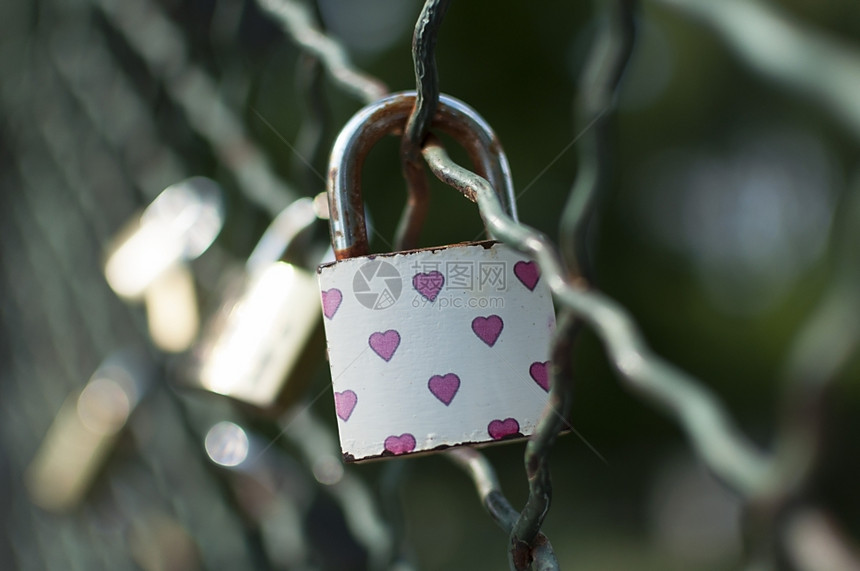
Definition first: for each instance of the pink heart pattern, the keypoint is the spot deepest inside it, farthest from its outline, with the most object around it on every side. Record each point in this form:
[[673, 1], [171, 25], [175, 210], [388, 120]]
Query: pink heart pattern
[[528, 273], [420, 361], [402, 444], [540, 373], [428, 284], [385, 343], [500, 429], [344, 404], [444, 387], [488, 328], [331, 300]]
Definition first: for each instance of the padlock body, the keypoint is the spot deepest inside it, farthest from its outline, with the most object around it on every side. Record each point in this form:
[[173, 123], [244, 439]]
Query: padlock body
[[262, 345], [436, 348], [83, 434]]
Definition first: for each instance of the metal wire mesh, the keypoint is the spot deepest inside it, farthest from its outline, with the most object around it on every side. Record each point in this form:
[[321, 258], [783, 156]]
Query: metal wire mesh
[[106, 103]]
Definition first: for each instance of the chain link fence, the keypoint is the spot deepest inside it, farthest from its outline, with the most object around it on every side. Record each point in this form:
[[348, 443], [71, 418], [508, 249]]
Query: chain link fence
[[698, 193]]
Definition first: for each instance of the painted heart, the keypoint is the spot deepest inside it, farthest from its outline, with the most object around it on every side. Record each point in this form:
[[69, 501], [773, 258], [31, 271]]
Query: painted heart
[[500, 429], [444, 387], [331, 301], [400, 444], [488, 328], [385, 344], [429, 284], [344, 404], [528, 273], [540, 373]]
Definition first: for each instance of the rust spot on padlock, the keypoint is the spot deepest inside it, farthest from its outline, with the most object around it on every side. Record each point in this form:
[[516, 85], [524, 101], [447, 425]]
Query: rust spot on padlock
[[486, 244], [350, 458]]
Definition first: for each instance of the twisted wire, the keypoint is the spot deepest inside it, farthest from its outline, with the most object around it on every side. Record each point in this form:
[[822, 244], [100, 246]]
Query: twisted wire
[[811, 63], [319, 447], [427, 87], [818, 356], [599, 81], [298, 23], [776, 47], [539, 555], [526, 530], [311, 136], [728, 453], [608, 58]]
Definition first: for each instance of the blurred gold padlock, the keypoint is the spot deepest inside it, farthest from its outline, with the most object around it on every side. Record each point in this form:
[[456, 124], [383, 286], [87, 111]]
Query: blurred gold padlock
[[265, 341], [84, 432], [148, 259]]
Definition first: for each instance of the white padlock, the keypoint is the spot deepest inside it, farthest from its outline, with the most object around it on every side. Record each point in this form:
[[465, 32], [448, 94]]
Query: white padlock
[[436, 347]]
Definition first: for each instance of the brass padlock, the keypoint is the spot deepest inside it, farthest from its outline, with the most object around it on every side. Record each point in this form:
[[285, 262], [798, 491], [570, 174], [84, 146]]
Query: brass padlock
[[84, 431], [435, 347], [265, 341], [148, 259]]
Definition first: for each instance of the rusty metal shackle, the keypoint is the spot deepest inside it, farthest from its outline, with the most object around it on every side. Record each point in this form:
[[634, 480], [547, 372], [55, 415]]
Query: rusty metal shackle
[[388, 116]]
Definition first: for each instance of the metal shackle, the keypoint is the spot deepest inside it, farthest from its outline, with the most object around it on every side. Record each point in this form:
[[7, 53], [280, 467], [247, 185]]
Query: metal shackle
[[389, 116], [286, 226]]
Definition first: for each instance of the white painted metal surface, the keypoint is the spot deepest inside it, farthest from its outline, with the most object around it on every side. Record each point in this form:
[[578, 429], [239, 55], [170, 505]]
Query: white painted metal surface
[[436, 348]]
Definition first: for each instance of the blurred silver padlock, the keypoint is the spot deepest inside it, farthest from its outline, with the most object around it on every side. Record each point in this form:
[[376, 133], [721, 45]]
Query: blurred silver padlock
[[265, 341], [435, 347], [84, 431], [147, 260]]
